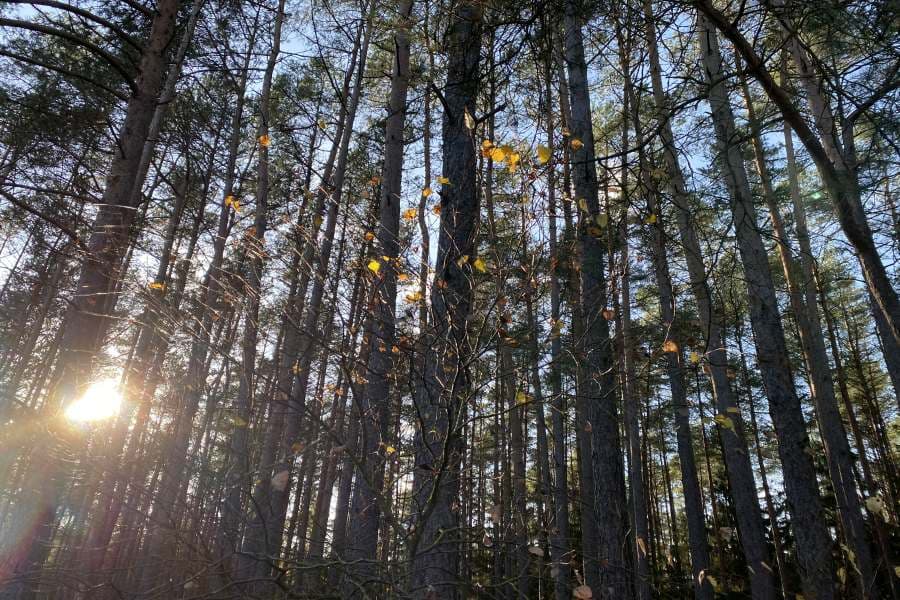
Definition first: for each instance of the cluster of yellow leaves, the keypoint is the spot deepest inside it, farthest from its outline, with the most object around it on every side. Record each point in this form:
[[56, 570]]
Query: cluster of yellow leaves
[[231, 201], [374, 266], [156, 285], [500, 154], [426, 192], [410, 214]]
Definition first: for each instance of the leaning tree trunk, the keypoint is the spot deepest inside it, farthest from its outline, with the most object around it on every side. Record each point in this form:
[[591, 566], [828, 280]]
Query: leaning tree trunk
[[834, 436], [434, 547], [737, 457], [87, 317], [813, 541], [836, 164]]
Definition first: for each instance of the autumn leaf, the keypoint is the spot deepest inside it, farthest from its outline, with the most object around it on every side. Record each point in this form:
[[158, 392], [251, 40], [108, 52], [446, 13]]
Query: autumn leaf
[[543, 154], [725, 421], [426, 192], [576, 144], [156, 285], [468, 120], [694, 358], [410, 214], [443, 180], [670, 346], [414, 297], [521, 397], [583, 592], [231, 201], [651, 219], [498, 154], [369, 236], [322, 124], [374, 265], [479, 265], [583, 205], [402, 276], [265, 140], [389, 450]]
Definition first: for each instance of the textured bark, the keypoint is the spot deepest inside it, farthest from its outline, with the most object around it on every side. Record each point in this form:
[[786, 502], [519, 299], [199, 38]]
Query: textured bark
[[834, 437], [374, 403], [813, 541], [434, 547], [737, 457], [605, 512]]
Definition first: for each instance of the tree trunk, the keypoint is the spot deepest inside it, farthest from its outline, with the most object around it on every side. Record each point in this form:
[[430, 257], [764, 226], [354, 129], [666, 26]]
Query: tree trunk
[[813, 542], [603, 520], [434, 547]]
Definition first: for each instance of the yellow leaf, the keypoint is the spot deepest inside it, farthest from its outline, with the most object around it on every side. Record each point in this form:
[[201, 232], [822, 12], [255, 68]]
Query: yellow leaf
[[651, 219], [426, 192], [395, 349], [443, 180], [414, 297], [487, 144], [156, 285], [469, 121], [374, 265], [402, 276], [389, 450], [322, 124], [233, 203], [733, 410], [479, 265], [602, 219], [462, 260], [437, 209], [725, 421], [582, 204], [694, 358], [897, 571], [875, 505], [670, 346], [576, 144], [543, 153], [369, 236], [566, 132], [410, 213], [521, 397], [264, 140], [498, 154]]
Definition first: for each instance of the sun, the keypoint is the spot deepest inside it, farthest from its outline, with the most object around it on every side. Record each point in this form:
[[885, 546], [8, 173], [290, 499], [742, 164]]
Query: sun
[[100, 401]]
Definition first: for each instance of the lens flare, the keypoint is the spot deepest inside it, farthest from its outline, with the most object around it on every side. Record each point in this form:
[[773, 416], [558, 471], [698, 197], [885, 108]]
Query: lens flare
[[100, 401]]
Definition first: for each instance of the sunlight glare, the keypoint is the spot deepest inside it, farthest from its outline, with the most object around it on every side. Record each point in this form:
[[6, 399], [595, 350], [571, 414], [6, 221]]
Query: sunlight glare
[[100, 401]]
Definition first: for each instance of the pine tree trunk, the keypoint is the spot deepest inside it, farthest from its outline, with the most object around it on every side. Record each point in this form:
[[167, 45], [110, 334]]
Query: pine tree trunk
[[737, 457], [605, 514], [434, 546], [374, 403], [813, 541], [87, 318]]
